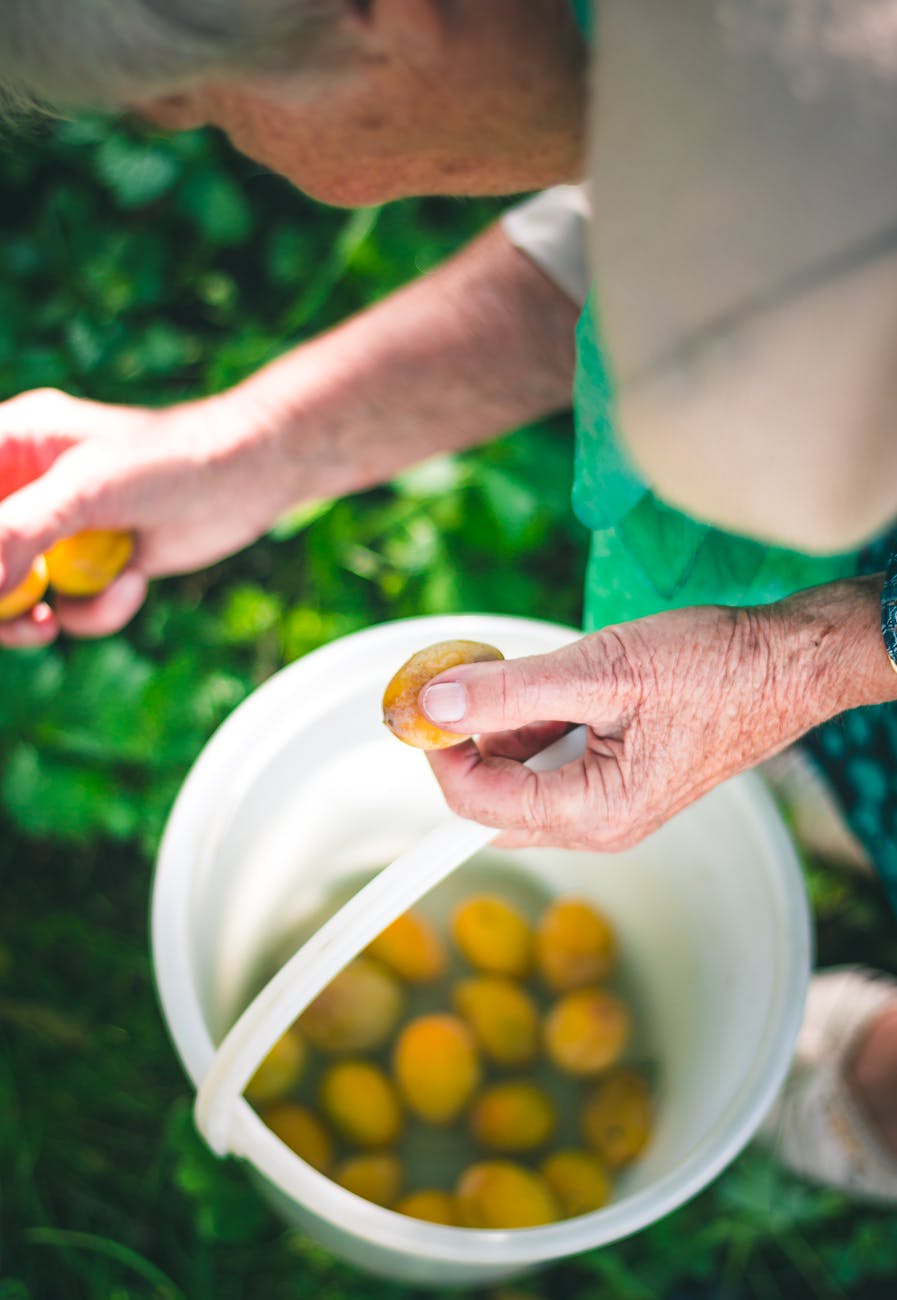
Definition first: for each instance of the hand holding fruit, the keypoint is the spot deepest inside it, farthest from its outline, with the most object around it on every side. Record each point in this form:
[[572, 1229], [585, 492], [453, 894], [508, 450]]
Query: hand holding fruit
[[187, 485], [673, 704], [86, 564], [79, 566], [402, 712]]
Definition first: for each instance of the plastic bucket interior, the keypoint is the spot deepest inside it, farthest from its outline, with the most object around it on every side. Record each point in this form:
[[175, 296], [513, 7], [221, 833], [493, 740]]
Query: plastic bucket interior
[[302, 794]]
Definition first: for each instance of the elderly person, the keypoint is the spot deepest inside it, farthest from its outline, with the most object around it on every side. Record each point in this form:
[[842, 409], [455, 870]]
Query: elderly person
[[735, 447]]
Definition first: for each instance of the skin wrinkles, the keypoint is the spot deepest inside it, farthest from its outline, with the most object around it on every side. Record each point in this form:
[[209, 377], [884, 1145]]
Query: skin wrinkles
[[694, 706]]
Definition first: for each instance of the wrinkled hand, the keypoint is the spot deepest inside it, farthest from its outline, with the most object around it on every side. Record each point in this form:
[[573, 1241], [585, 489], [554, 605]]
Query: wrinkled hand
[[172, 477], [673, 704]]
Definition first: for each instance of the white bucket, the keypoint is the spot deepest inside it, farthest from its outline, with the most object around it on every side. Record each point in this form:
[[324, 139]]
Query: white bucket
[[302, 794]]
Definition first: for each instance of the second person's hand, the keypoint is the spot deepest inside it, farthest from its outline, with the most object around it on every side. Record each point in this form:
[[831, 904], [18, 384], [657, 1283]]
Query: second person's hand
[[188, 481]]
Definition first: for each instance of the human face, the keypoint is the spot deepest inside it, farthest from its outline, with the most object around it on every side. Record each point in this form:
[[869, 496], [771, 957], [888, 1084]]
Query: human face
[[427, 97]]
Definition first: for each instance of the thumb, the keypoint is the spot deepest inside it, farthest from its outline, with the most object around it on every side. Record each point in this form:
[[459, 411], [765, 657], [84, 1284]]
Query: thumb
[[563, 686]]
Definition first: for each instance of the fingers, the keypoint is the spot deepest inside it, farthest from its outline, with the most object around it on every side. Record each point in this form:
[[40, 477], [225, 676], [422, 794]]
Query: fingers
[[585, 804], [99, 616], [520, 745], [24, 459], [36, 628], [505, 704], [48, 413], [108, 612], [45, 479], [501, 792]]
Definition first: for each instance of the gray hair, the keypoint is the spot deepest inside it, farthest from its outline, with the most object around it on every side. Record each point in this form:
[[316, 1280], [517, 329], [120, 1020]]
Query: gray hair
[[108, 53]]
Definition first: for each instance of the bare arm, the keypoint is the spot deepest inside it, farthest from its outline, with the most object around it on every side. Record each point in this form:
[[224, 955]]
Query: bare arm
[[478, 347], [456, 358]]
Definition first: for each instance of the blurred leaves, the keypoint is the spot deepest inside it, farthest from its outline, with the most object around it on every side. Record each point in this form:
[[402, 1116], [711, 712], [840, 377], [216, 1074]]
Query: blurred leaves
[[217, 206], [223, 1213], [136, 172], [89, 729]]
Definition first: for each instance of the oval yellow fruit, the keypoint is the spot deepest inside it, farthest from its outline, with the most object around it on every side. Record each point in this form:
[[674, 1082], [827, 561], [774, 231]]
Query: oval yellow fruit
[[280, 1071], [436, 1066], [515, 1115], [302, 1132], [401, 710], [357, 1011], [492, 935], [502, 1015], [578, 1179], [575, 944], [586, 1030], [411, 948], [376, 1177], [502, 1194], [86, 563], [617, 1117], [27, 594], [430, 1204], [361, 1103]]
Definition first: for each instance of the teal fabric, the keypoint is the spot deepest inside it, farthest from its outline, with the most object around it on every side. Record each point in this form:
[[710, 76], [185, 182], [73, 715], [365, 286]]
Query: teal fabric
[[582, 11], [656, 558], [605, 484]]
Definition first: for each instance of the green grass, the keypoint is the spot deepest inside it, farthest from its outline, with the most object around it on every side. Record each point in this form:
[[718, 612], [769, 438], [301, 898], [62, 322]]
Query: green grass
[[136, 269]]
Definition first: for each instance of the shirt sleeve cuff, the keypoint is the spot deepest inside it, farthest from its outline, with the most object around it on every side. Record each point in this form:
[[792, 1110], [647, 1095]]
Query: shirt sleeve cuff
[[551, 229]]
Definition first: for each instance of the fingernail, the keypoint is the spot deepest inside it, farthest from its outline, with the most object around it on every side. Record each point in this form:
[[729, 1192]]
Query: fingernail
[[445, 702]]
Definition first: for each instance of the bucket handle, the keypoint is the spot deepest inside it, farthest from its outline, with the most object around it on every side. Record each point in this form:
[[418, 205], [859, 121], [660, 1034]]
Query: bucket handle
[[392, 891]]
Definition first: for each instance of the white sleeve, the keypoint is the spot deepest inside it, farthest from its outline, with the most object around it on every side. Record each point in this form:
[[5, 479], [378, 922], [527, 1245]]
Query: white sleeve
[[552, 230]]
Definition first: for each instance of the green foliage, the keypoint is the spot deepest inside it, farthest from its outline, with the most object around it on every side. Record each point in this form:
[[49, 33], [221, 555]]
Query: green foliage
[[135, 268]]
